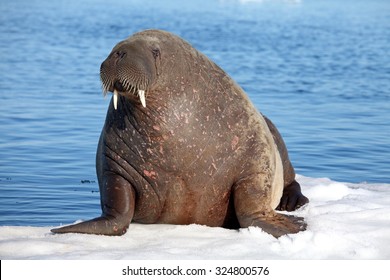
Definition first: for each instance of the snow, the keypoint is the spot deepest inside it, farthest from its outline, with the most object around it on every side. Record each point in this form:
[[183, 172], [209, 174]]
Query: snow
[[345, 221]]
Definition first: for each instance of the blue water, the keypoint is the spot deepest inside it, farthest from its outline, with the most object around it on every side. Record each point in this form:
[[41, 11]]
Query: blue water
[[319, 69]]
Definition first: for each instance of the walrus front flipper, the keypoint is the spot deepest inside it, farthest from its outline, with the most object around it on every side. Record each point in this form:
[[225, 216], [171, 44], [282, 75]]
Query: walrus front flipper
[[101, 225], [279, 224], [252, 203], [273, 223], [118, 205]]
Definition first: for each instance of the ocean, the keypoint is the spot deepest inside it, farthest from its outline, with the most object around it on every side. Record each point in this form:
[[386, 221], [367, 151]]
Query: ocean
[[319, 69]]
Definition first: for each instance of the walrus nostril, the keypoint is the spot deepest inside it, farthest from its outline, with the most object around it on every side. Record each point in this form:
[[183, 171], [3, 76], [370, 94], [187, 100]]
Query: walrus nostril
[[120, 54]]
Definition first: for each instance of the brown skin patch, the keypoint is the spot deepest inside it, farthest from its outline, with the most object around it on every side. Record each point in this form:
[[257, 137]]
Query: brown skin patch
[[199, 152]]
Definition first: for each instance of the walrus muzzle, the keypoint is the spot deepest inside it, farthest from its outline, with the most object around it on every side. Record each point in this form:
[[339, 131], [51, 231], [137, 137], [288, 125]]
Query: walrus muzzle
[[129, 71]]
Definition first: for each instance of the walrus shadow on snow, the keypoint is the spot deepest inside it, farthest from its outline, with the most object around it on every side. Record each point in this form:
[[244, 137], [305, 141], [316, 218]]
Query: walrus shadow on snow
[[183, 144]]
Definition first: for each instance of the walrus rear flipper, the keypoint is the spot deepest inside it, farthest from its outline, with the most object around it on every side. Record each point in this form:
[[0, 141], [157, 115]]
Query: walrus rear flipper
[[101, 226], [292, 198], [280, 224]]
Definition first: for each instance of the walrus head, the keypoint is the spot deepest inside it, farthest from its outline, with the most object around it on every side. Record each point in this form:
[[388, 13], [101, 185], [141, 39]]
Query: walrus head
[[131, 68]]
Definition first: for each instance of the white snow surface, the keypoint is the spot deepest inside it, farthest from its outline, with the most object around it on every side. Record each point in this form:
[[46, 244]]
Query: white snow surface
[[345, 221]]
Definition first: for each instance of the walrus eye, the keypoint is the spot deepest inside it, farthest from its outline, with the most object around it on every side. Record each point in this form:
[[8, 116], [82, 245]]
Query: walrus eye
[[156, 53]]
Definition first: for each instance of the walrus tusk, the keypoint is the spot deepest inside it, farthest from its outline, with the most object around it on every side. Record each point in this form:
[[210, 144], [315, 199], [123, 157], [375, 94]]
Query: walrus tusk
[[115, 99], [141, 94]]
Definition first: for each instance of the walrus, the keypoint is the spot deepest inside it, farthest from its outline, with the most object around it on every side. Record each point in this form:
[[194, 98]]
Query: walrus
[[182, 143]]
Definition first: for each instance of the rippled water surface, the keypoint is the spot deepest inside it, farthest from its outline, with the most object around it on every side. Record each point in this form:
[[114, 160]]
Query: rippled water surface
[[319, 69]]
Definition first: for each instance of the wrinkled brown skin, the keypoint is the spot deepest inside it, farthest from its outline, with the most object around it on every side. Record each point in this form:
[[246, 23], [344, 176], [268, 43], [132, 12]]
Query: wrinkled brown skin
[[198, 153]]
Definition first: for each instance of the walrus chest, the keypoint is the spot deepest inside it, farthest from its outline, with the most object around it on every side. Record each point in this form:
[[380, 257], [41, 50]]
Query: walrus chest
[[182, 161], [178, 138], [178, 177]]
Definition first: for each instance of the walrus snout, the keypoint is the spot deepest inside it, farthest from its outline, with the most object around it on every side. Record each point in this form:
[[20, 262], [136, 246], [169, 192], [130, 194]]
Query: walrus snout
[[128, 70]]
